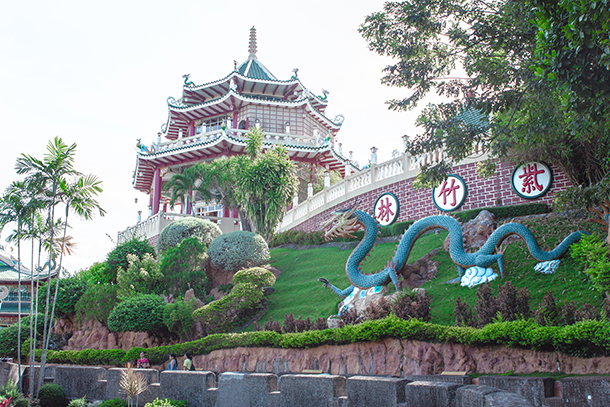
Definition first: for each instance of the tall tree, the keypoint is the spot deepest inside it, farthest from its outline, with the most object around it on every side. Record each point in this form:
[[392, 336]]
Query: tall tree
[[56, 179], [15, 207], [498, 101]]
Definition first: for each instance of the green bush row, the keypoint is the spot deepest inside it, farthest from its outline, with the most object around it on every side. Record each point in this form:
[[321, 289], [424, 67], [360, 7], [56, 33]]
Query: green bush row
[[584, 339], [504, 212]]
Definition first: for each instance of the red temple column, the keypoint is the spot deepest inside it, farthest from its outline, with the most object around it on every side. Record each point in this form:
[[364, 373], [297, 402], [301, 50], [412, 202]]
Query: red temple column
[[156, 192]]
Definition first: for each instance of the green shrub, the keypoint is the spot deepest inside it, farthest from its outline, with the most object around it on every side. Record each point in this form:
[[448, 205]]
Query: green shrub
[[70, 291], [183, 268], [141, 277], [584, 339], [21, 402], [81, 402], [504, 212], [8, 336], [98, 273], [257, 276], [166, 403], [52, 395], [118, 257], [142, 313], [238, 250], [230, 311], [114, 403], [174, 233], [97, 303], [178, 317], [592, 251]]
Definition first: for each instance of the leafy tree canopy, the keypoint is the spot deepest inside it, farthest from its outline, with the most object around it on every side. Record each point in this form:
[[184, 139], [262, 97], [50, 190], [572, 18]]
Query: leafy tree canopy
[[509, 97]]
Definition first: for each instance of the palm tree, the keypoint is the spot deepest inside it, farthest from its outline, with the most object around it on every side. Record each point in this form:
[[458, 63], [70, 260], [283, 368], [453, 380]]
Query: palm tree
[[78, 196], [181, 186], [53, 177], [15, 207]]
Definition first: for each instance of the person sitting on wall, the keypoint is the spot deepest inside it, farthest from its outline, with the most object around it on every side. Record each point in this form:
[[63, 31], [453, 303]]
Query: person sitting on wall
[[142, 362], [188, 362], [172, 365]]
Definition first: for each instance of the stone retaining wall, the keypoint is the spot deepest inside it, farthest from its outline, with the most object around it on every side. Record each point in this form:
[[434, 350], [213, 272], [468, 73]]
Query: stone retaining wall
[[232, 389]]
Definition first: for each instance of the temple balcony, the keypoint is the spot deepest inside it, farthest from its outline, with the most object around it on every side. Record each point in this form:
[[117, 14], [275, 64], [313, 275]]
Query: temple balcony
[[150, 228], [237, 135]]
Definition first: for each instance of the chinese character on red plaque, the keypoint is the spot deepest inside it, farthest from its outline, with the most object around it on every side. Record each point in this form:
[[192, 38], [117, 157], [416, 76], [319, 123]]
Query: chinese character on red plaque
[[531, 180], [387, 209], [450, 194]]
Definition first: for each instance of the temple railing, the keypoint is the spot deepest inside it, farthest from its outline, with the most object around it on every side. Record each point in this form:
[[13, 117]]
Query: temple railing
[[153, 226], [274, 138], [374, 176]]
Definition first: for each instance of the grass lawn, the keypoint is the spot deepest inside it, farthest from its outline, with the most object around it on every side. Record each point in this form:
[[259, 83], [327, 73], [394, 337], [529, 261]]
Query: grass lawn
[[298, 291]]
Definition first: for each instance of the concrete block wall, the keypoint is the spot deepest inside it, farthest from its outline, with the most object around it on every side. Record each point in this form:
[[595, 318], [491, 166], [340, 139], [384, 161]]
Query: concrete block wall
[[205, 389], [416, 204]]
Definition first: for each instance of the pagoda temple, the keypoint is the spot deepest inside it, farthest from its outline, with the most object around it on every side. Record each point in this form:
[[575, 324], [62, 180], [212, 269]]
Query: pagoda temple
[[211, 121]]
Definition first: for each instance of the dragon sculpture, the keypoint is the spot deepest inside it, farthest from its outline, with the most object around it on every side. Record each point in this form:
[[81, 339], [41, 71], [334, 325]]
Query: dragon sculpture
[[344, 223]]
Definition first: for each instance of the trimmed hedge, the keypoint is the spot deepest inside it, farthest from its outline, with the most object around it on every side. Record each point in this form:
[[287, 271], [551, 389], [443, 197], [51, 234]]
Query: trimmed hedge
[[584, 339], [238, 250], [257, 276], [174, 233], [142, 313]]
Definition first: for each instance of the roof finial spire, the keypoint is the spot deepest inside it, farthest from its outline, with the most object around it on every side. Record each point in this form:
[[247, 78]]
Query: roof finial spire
[[252, 46]]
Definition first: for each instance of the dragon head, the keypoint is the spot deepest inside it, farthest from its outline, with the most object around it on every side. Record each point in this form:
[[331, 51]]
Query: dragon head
[[342, 224]]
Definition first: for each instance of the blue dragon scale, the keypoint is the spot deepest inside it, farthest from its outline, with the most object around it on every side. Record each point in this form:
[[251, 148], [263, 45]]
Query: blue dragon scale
[[344, 223]]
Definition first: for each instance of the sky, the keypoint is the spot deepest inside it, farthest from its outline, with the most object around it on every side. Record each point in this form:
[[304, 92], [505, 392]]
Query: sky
[[98, 74]]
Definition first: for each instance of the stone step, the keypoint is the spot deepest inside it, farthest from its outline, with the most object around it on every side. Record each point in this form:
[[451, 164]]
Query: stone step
[[553, 402]]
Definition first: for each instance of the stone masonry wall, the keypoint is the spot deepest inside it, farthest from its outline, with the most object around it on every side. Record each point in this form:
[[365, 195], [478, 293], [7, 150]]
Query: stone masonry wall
[[417, 204], [235, 389]]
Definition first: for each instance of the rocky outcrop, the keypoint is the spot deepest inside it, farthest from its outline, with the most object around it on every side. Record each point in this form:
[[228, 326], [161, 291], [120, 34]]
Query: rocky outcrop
[[476, 231], [398, 358], [423, 270], [94, 335]]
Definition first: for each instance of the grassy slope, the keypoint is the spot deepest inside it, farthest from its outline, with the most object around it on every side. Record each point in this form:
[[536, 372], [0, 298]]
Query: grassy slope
[[299, 292]]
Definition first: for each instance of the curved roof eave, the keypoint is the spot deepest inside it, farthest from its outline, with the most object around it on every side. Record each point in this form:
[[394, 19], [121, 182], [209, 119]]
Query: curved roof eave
[[231, 92]]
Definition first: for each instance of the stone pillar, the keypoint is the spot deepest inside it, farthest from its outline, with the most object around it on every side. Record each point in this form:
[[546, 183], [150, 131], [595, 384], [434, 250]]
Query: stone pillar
[[340, 148], [348, 169], [295, 201], [309, 190], [156, 192], [374, 155], [326, 179]]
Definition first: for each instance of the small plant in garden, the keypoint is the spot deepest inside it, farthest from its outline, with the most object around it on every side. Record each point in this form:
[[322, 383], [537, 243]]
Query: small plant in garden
[[547, 312], [378, 309], [486, 306], [118, 258], [141, 277], [116, 402], [587, 311], [507, 301], [52, 395], [132, 384], [166, 403], [463, 313], [82, 402]]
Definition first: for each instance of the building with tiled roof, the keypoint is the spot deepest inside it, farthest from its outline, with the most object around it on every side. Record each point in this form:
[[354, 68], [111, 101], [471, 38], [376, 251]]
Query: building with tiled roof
[[211, 120], [9, 288]]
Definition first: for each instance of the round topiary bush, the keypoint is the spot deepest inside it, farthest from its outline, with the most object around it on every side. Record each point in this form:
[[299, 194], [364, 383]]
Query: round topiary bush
[[52, 395], [238, 250], [174, 233], [117, 402], [256, 276], [142, 313]]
